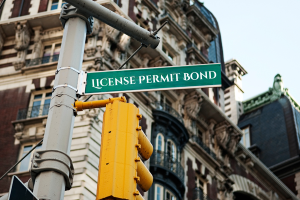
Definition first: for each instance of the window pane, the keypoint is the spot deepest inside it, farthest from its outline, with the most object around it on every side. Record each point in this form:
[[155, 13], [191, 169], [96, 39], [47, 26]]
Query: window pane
[[24, 166], [247, 137], [49, 94], [47, 51], [46, 107], [159, 143], [35, 109], [168, 196], [39, 96], [158, 193], [54, 5]]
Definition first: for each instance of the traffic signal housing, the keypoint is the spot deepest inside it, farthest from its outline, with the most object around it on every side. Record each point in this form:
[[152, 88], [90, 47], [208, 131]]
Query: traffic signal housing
[[120, 167]]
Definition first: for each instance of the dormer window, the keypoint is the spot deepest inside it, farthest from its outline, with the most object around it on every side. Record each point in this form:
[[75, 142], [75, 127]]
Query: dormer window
[[245, 140]]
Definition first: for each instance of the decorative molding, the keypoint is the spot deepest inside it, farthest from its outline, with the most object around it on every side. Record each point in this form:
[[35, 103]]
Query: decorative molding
[[227, 137], [269, 96], [192, 104]]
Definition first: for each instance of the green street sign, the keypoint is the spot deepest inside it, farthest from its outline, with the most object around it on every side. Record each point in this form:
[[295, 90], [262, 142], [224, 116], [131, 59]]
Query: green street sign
[[147, 79]]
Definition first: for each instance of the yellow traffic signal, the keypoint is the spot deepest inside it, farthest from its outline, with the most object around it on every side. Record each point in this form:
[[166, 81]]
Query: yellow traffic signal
[[120, 167]]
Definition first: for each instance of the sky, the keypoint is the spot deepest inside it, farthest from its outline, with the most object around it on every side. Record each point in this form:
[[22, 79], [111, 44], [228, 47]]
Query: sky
[[264, 37]]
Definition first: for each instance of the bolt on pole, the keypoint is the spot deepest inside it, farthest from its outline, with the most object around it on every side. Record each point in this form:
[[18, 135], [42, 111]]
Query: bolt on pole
[[60, 122]]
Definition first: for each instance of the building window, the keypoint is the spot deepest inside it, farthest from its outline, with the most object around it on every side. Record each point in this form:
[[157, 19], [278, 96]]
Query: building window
[[245, 140], [20, 8], [25, 164], [171, 150], [40, 103], [201, 187], [170, 196], [55, 4], [160, 143], [169, 54], [158, 192], [51, 53]]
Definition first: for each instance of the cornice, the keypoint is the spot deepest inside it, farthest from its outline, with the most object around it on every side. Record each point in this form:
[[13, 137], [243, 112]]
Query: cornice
[[176, 27]]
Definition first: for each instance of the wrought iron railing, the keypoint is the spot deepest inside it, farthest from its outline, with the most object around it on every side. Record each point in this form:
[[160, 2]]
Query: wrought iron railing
[[193, 45], [168, 162], [207, 149], [167, 108], [34, 111], [200, 195], [42, 60]]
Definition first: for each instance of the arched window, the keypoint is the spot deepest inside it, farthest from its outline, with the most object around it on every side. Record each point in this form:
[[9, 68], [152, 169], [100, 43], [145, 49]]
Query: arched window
[[160, 142], [171, 150]]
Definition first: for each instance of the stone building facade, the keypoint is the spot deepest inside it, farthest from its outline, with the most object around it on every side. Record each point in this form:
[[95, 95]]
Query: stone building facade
[[197, 154]]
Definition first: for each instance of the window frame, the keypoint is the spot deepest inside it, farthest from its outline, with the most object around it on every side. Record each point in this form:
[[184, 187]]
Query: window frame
[[162, 192], [243, 140], [32, 144], [59, 5], [168, 191], [32, 100], [163, 142], [175, 148], [199, 178]]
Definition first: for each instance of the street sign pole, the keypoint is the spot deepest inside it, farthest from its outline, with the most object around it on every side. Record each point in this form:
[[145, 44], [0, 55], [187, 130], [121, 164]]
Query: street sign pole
[[60, 122]]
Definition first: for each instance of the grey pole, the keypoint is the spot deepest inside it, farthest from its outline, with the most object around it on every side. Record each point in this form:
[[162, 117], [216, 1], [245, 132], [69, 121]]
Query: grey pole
[[50, 185], [116, 21]]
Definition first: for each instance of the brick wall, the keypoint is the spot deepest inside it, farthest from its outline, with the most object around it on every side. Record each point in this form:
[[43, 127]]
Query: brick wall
[[12, 100]]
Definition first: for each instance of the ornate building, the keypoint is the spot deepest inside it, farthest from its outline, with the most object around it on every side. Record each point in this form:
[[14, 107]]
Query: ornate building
[[271, 125], [197, 152]]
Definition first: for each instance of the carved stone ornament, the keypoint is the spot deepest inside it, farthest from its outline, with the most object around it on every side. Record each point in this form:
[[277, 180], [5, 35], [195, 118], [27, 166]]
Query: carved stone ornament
[[91, 46], [277, 89], [235, 138], [22, 36], [111, 33], [19, 127], [227, 137], [180, 103], [222, 136], [193, 102], [22, 40], [20, 62], [124, 42], [37, 42]]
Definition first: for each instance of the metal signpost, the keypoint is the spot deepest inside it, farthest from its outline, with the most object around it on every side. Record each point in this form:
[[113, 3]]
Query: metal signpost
[[147, 79]]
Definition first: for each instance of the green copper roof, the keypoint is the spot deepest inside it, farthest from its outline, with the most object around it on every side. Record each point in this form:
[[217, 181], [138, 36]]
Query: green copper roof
[[269, 96]]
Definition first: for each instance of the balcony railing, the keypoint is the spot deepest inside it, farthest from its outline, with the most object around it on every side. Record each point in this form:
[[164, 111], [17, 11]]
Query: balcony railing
[[42, 60], [167, 108], [199, 194], [207, 149], [34, 111], [167, 161]]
